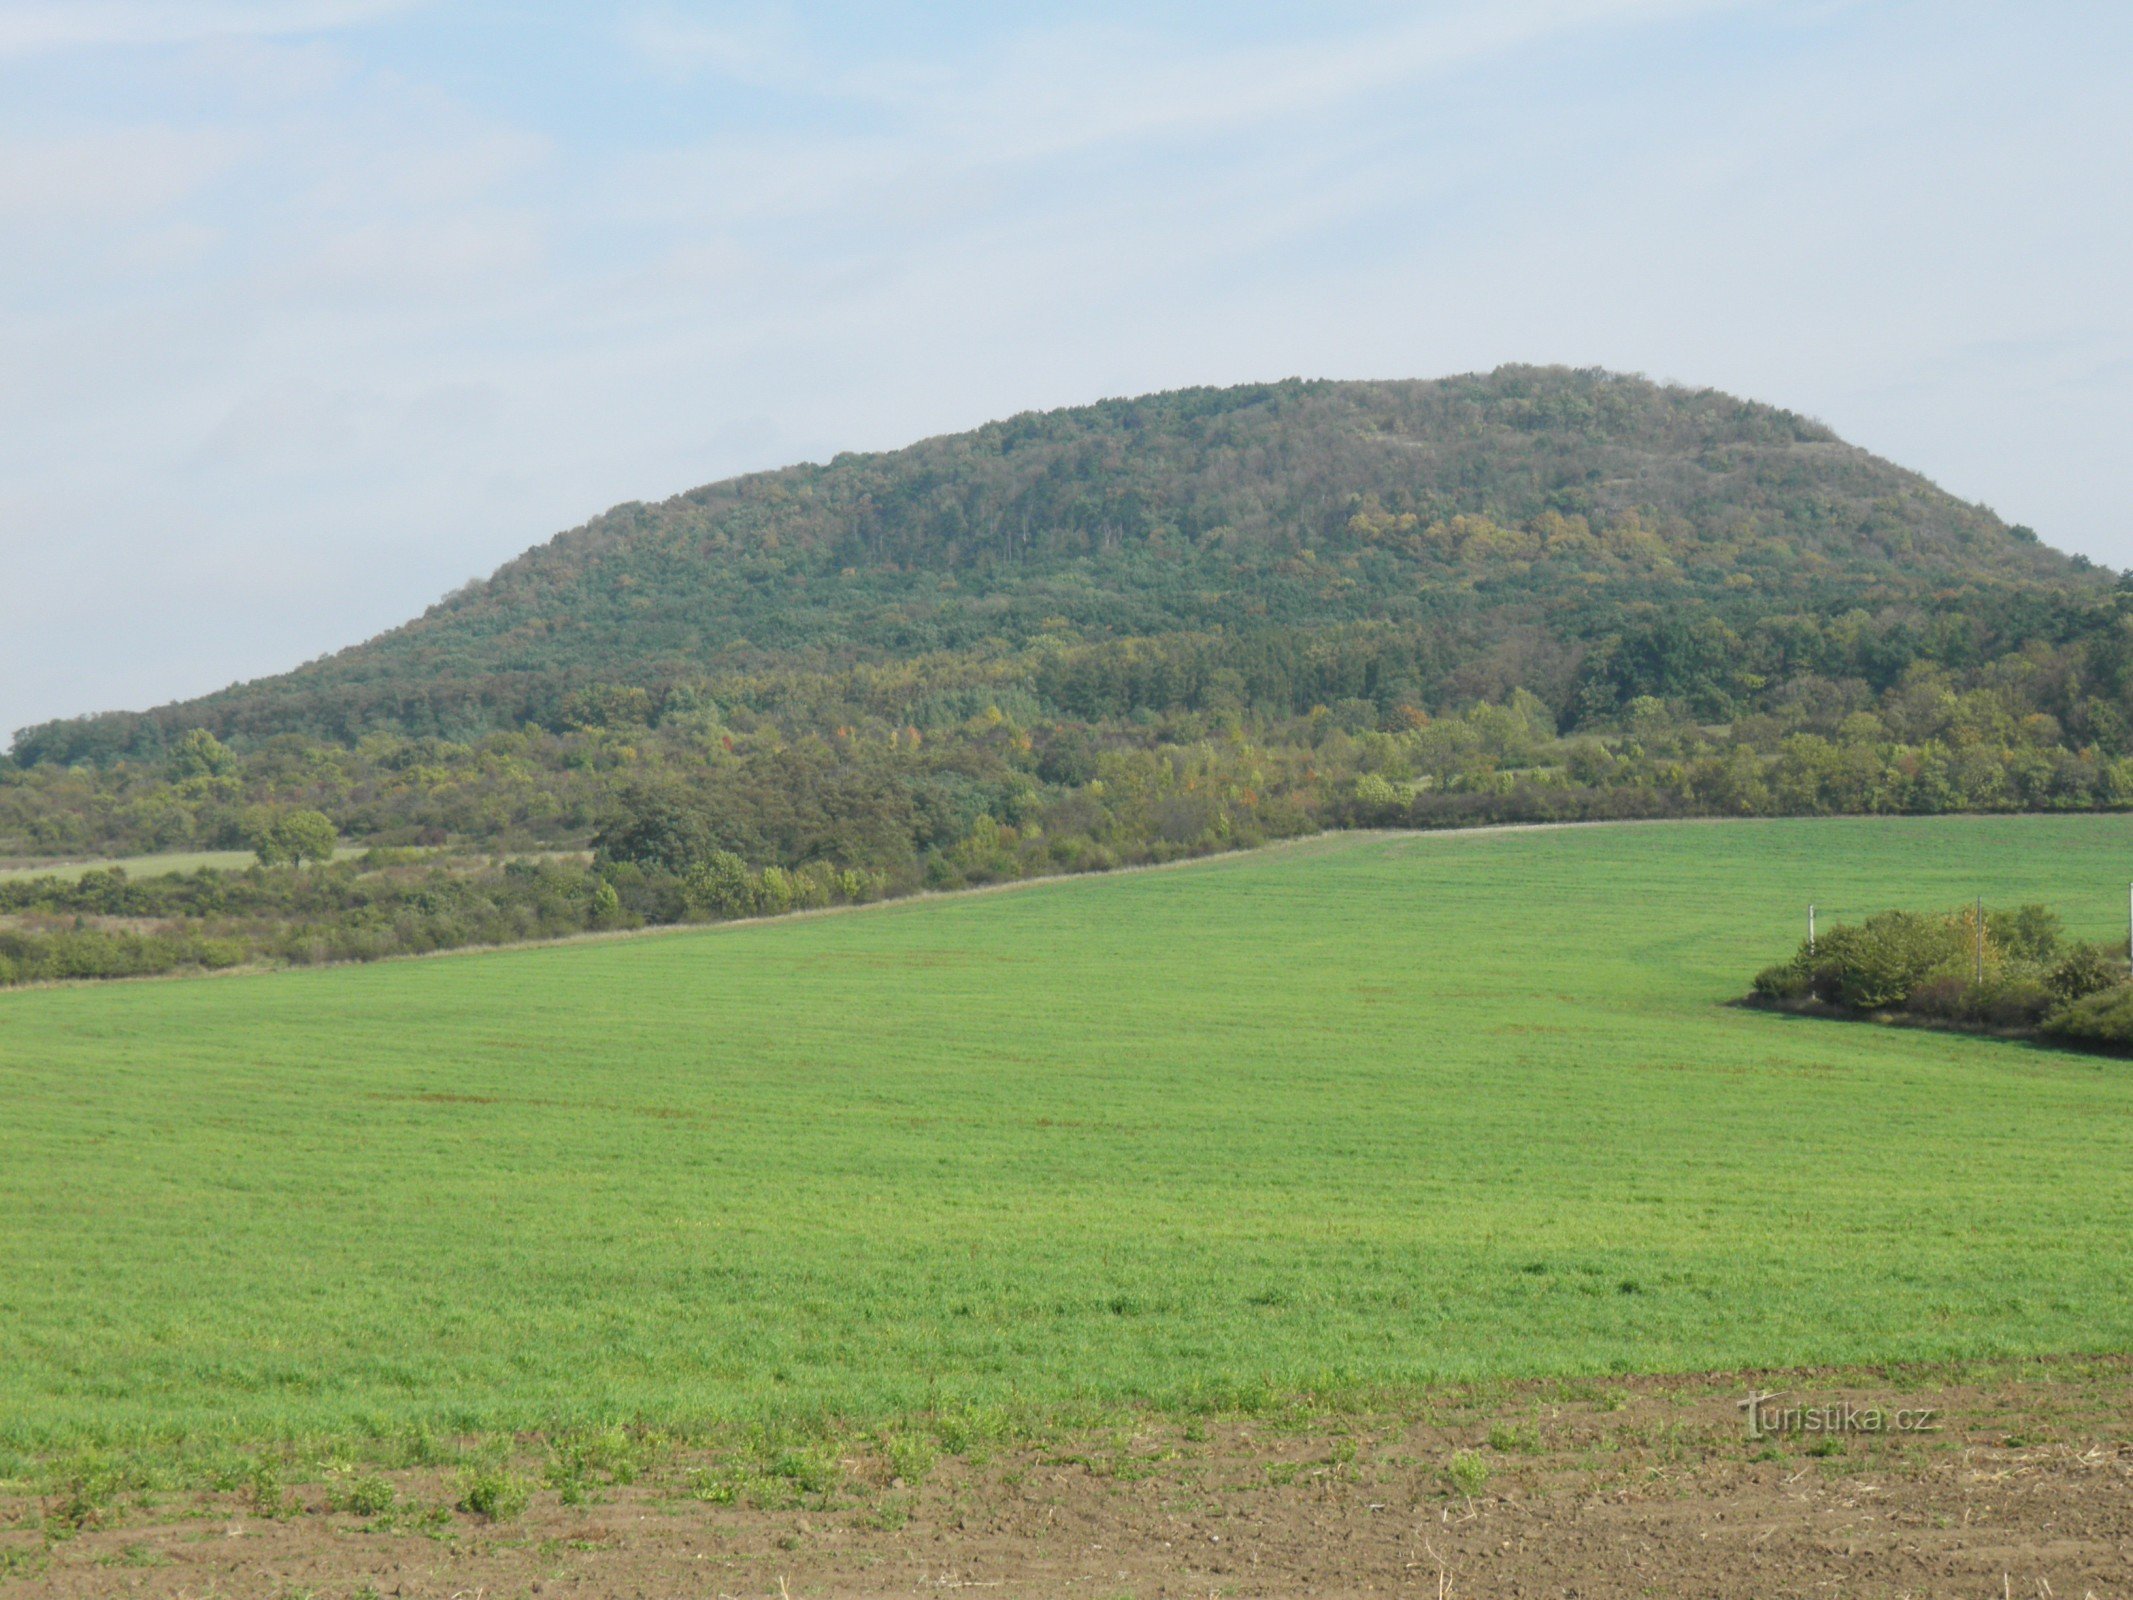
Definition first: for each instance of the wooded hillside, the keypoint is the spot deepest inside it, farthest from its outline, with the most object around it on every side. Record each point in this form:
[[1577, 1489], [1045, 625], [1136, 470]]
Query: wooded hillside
[[1469, 536]]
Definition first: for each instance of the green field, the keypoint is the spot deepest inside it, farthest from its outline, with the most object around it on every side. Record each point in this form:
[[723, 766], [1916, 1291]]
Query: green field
[[1347, 1116], [134, 866]]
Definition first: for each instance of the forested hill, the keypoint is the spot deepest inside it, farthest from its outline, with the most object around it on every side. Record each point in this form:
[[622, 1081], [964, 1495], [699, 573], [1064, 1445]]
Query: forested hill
[[1498, 528]]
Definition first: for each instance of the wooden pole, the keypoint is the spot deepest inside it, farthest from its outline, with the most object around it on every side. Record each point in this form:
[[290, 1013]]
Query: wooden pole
[[1811, 933]]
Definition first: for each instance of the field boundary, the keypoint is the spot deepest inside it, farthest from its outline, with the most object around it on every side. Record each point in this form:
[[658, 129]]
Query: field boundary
[[1941, 1483], [187, 1460], [1300, 842]]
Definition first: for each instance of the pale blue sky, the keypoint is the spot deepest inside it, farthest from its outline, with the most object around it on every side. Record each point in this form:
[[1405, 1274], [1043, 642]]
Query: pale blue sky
[[312, 309]]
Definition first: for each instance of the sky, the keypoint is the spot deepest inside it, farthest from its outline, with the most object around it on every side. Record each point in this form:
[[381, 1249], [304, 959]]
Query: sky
[[312, 310]]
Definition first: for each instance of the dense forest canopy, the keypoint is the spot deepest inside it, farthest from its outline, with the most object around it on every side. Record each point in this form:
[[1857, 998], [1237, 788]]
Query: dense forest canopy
[[1446, 540]]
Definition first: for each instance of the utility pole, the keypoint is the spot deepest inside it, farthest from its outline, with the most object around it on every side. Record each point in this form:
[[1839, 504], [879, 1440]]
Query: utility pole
[[1811, 933]]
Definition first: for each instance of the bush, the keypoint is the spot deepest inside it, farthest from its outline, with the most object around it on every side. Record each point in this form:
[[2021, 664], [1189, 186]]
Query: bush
[[1468, 1472], [1945, 997], [910, 1456], [1789, 980], [579, 1464], [1878, 963], [87, 1498], [721, 886], [2085, 970], [2015, 1000], [1927, 967], [2103, 1019], [365, 1494], [2027, 933], [494, 1493], [1374, 794], [262, 1486]]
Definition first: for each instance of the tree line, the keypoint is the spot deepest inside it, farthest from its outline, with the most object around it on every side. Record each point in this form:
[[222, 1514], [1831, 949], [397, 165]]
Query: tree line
[[938, 773]]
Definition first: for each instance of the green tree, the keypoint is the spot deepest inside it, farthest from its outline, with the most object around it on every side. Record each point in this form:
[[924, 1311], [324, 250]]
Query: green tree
[[199, 754], [722, 885], [607, 705], [296, 837], [656, 830]]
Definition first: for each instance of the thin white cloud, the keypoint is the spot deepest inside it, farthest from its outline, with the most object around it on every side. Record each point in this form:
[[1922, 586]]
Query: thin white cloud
[[1065, 91], [1078, 92], [757, 50], [1072, 86], [31, 26], [401, 264], [110, 174]]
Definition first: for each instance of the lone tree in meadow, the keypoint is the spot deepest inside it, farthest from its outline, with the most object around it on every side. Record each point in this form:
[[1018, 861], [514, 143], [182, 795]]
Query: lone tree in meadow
[[297, 837]]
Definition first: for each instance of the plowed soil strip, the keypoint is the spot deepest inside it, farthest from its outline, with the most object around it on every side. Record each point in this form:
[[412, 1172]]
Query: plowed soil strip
[[2012, 1486]]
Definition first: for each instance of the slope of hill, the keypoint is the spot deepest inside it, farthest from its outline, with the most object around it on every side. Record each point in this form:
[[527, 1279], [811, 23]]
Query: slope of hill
[[1519, 515]]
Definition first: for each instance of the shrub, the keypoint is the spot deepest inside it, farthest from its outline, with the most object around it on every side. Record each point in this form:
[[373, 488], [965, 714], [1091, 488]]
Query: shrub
[[494, 1493], [86, 1498], [1945, 996], [2103, 1019], [1879, 962], [1374, 793], [579, 1464], [263, 1488], [2014, 1000], [365, 1494], [1789, 980], [1468, 1472], [1928, 967], [2085, 970], [2027, 933], [775, 891], [721, 886], [910, 1456]]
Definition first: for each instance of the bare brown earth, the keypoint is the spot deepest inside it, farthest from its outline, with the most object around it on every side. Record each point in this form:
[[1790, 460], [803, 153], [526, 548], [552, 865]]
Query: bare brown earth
[[1637, 1487]]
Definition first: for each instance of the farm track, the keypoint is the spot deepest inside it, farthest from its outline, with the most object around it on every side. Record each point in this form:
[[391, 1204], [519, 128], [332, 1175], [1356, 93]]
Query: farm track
[[1628, 1487]]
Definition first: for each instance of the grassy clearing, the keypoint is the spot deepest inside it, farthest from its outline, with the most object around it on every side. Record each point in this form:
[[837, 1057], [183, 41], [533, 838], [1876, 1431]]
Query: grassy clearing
[[155, 866], [1345, 1118]]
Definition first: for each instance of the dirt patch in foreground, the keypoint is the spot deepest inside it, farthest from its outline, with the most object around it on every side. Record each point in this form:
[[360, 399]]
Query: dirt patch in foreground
[[1646, 1487]]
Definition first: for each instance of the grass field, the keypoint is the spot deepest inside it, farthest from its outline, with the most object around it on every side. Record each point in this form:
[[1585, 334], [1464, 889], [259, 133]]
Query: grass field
[[1347, 1116], [134, 866]]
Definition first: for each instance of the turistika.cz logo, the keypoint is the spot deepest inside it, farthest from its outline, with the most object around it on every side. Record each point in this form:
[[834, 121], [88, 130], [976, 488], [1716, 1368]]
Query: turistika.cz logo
[[1769, 1420]]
